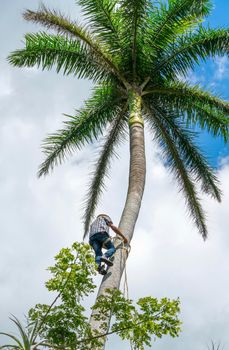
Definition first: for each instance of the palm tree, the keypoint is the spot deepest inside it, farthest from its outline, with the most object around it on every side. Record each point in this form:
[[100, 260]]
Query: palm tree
[[136, 53]]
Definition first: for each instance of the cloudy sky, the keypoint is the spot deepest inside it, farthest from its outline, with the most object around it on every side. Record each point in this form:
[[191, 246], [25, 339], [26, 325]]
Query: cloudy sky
[[39, 217]]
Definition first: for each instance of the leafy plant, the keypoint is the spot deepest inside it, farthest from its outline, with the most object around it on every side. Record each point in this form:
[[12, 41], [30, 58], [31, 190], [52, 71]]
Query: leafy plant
[[27, 338], [65, 325]]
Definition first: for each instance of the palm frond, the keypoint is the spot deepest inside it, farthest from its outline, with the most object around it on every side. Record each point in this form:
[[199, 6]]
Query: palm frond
[[190, 49], [137, 15], [82, 128], [172, 19], [209, 119], [175, 162], [194, 161], [114, 136], [194, 93], [198, 106], [52, 19], [104, 20], [67, 54], [134, 17]]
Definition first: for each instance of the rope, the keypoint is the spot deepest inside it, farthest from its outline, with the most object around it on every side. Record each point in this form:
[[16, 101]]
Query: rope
[[125, 282], [125, 285], [127, 250]]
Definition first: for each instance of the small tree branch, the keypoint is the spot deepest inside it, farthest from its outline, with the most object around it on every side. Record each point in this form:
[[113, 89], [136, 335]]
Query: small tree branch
[[102, 335]]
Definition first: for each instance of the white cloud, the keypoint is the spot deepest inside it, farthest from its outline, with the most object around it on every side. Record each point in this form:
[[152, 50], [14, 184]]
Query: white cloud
[[222, 67], [6, 88], [192, 77]]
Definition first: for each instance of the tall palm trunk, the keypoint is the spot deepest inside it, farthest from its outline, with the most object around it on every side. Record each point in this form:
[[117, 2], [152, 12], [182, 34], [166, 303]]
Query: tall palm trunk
[[133, 200]]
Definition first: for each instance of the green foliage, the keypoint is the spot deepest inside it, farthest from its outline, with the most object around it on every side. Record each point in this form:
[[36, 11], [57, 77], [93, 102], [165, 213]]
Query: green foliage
[[27, 338], [134, 24], [172, 19], [68, 55], [72, 280], [139, 45], [85, 127], [74, 268], [104, 22], [169, 136], [115, 135], [64, 323], [195, 163], [191, 49], [138, 323], [198, 106]]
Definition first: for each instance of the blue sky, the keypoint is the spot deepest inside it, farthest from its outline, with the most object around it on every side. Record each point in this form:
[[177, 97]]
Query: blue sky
[[215, 76]]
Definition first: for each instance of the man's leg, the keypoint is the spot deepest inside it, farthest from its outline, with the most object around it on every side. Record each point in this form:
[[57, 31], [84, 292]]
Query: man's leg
[[97, 246], [110, 249]]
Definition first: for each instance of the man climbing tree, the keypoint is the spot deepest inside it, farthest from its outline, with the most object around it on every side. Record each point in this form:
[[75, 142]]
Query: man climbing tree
[[99, 237], [138, 54]]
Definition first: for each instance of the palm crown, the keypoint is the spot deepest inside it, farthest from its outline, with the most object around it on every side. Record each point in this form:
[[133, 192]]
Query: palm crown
[[142, 46]]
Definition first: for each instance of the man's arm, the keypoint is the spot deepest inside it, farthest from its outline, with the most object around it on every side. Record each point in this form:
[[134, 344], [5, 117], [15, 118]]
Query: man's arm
[[116, 230]]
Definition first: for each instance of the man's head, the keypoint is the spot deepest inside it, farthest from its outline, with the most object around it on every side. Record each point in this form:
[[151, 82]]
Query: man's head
[[105, 217]]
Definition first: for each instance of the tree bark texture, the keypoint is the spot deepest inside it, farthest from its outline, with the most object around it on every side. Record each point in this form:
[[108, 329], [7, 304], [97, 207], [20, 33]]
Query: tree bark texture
[[132, 206]]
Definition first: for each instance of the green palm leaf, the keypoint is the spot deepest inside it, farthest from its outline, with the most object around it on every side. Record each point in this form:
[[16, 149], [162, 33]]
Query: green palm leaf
[[52, 19], [114, 136], [83, 128], [209, 119], [190, 49], [198, 106], [102, 15], [192, 93], [194, 162], [134, 16], [90, 42], [175, 161], [67, 54], [173, 19]]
